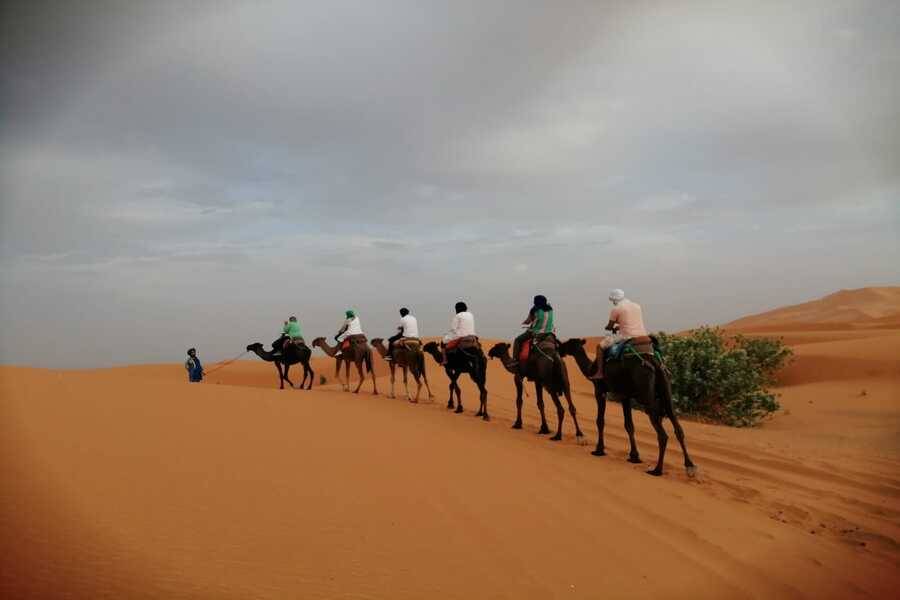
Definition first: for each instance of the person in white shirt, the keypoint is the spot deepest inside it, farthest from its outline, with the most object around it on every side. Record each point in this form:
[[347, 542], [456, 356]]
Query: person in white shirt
[[407, 328], [352, 327], [463, 325]]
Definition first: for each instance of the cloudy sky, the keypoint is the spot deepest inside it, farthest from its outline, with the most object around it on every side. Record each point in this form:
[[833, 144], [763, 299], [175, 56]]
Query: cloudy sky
[[176, 174]]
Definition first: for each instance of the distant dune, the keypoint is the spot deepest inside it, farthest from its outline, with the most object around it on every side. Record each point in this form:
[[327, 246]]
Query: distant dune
[[132, 483], [864, 308]]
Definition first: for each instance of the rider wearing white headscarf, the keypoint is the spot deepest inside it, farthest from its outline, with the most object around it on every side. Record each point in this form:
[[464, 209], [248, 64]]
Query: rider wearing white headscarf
[[626, 321]]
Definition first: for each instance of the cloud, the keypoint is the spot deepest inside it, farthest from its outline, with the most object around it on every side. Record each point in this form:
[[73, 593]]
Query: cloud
[[665, 202], [167, 163]]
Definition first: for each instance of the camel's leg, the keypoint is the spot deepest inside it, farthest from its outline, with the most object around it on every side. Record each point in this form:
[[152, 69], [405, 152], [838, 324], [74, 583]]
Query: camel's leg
[[480, 412], [347, 365], [456, 388], [539, 399], [305, 375], [478, 376], [633, 456], [345, 381], [661, 438], [600, 397], [425, 378], [665, 387], [287, 369], [645, 384], [346, 375], [450, 401], [689, 465], [362, 375], [368, 359], [406, 385], [518, 423], [337, 372], [579, 435], [418, 379], [560, 415], [280, 374], [474, 376], [392, 395], [312, 374]]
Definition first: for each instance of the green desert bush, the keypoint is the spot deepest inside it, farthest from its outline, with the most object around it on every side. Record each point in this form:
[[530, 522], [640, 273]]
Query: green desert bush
[[724, 378]]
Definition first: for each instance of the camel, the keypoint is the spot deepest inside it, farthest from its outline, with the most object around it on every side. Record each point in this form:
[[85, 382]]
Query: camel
[[471, 361], [293, 355], [356, 353], [643, 380], [409, 358], [547, 371]]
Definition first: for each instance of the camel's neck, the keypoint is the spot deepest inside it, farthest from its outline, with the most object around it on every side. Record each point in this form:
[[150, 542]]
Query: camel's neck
[[328, 349], [584, 363], [263, 354], [506, 360], [435, 354], [381, 349]]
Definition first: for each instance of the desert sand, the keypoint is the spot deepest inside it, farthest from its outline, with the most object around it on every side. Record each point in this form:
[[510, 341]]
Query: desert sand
[[131, 483]]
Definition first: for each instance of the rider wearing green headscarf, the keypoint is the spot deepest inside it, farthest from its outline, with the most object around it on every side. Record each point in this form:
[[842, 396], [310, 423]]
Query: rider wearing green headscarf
[[351, 326]]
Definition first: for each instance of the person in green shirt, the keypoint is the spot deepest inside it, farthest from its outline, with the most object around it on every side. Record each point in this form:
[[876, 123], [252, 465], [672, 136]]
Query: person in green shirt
[[291, 331], [539, 322]]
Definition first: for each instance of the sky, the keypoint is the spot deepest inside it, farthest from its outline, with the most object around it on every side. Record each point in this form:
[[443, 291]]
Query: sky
[[190, 174]]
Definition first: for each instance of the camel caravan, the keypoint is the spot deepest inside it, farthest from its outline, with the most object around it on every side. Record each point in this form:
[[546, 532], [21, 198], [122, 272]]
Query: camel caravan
[[628, 366]]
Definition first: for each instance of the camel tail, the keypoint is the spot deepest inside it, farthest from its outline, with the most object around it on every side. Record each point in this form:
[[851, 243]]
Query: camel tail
[[368, 362]]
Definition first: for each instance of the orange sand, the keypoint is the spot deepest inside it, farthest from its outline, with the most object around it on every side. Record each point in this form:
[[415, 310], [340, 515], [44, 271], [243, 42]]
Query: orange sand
[[131, 483]]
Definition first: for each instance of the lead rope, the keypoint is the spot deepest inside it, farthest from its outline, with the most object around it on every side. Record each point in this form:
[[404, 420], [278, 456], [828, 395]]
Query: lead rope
[[225, 363]]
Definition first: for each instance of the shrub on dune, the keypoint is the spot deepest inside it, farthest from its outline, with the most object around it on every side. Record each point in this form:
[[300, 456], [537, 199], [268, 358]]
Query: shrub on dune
[[723, 378]]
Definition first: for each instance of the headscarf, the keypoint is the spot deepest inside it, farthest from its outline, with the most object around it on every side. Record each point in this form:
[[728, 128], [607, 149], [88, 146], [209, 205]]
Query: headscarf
[[404, 311], [616, 296], [540, 303], [461, 307], [349, 314]]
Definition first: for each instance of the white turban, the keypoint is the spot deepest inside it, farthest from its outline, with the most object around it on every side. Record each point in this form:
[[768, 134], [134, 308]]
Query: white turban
[[616, 296]]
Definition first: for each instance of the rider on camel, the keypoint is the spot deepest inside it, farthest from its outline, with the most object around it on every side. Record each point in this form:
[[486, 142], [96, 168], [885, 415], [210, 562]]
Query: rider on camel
[[539, 322], [462, 326], [626, 321], [408, 328], [291, 331], [351, 329]]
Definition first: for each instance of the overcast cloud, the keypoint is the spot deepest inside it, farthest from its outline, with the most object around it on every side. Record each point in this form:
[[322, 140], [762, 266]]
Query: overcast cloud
[[176, 174]]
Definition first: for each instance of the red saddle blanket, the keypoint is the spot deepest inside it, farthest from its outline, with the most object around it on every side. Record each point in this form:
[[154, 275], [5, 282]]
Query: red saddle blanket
[[525, 351], [546, 344]]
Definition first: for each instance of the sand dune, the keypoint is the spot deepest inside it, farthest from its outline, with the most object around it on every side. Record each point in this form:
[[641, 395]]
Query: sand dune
[[873, 307], [130, 483]]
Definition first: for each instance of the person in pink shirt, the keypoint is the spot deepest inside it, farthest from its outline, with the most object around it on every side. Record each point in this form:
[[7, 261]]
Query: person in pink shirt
[[626, 318], [626, 321]]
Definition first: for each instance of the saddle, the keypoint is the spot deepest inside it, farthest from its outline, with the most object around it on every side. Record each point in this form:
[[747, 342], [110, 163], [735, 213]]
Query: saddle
[[409, 343], [645, 345], [546, 343], [464, 343]]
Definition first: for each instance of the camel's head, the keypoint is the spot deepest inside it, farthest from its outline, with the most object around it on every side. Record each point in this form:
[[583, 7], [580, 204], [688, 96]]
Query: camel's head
[[318, 341], [254, 346], [431, 347], [498, 350], [376, 341], [570, 347]]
